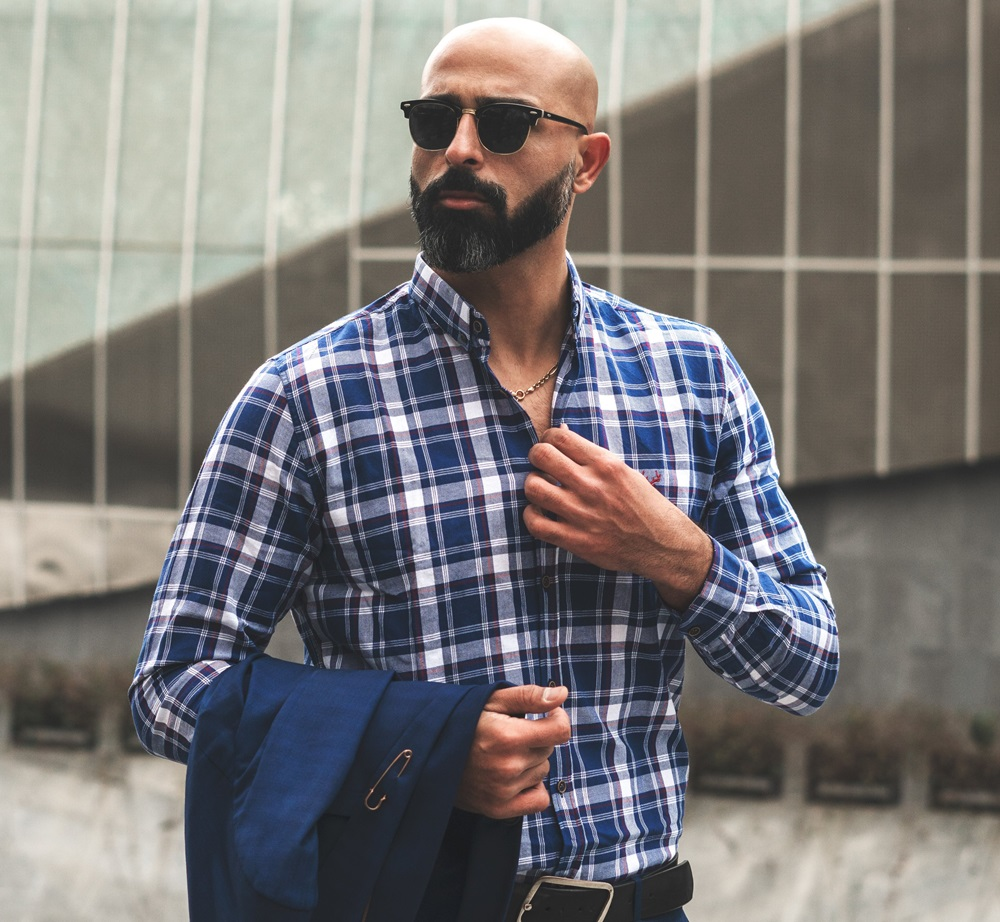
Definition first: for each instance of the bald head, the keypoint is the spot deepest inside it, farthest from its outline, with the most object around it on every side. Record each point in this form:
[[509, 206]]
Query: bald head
[[520, 58]]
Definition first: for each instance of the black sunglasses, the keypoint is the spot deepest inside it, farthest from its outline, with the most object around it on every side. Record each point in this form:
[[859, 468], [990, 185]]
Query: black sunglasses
[[503, 126]]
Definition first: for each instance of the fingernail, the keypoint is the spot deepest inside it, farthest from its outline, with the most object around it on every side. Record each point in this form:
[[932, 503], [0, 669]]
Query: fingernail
[[552, 694]]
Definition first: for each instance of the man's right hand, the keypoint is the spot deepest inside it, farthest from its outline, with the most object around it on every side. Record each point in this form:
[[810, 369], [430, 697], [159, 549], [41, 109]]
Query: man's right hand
[[509, 758]]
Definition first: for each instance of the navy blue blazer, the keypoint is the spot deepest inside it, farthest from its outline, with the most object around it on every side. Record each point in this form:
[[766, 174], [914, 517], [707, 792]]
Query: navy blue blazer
[[317, 794]]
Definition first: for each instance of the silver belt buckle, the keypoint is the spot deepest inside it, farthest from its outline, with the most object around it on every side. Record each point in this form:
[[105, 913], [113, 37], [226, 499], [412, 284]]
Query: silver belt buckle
[[525, 914]]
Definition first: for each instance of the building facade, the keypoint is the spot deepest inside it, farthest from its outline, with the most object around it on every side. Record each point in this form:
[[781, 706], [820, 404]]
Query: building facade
[[189, 186]]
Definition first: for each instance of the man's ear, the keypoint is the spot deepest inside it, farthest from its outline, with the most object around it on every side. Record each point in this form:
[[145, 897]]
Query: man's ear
[[594, 152]]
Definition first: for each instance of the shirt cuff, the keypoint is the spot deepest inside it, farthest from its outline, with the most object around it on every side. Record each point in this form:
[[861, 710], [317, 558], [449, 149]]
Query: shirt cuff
[[722, 599]]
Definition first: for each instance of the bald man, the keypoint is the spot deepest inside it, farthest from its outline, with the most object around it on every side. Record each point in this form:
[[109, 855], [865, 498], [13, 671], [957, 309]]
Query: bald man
[[499, 473]]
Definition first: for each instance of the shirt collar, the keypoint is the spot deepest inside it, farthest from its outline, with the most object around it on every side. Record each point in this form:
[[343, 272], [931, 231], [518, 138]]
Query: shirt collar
[[448, 310]]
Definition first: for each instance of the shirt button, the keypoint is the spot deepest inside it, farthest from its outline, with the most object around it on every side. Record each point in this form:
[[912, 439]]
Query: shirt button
[[552, 683], [477, 326], [561, 787], [546, 582], [694, 631]]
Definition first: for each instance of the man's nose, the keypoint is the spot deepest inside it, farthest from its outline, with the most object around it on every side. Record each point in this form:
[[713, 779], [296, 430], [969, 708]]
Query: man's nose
[[465, 147]]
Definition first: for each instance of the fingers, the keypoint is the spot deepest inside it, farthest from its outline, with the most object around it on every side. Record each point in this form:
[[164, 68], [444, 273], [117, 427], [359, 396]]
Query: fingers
[[560, 450], [506, 732], [549, 460], [527, 795], [505, 774], [516, 735], [509, 758], [563, 458], [501, 800], [570, 444], [526, 699], [551, 497], [541, 526]]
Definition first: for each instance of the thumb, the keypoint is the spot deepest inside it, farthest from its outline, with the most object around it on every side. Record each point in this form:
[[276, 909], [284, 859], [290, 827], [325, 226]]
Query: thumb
[[526, 699]]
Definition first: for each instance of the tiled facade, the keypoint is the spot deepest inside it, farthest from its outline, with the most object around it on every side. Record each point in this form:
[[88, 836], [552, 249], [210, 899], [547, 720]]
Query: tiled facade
[[189, 186]]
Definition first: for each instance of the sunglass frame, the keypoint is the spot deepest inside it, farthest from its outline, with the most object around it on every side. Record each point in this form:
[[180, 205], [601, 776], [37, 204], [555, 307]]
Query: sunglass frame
[[533, 114]]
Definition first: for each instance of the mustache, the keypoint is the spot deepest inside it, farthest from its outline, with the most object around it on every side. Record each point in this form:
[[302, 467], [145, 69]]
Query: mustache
[[457, 180]]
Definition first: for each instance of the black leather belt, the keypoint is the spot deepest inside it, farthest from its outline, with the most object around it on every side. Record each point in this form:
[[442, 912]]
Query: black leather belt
[[554, 899]]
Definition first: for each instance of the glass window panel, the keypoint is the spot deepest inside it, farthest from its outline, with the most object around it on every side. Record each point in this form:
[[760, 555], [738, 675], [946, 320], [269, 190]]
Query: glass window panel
[[670, 291], [142, 412], [595, 275], [661, 45], [155, 117], [746, 310], [927, 401], [817, 9], [6, 439], [989, 349], [227, 345], [378, 278], [63, 300], [142, 283], [930, 131], [211, 269], [658, 174], [59, 424], [747, 196], [236, 137], [588, 226], [15, 68], [990, 197], [393, 228], [739, 25], [388, 145], [836, 375], [319, 120], [8, 283], [74, 120], [8, 276], [840, 138], [471, 10], [312, 289]]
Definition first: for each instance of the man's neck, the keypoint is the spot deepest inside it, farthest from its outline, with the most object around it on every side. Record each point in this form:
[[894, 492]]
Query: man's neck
[[526, 301]]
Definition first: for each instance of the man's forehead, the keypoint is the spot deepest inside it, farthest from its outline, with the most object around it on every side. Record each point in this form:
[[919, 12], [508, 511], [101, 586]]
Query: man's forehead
[[481, 81], [473, 61]]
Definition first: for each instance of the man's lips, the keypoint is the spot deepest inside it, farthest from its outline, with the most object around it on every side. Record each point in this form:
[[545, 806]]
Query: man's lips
[[453, 198]]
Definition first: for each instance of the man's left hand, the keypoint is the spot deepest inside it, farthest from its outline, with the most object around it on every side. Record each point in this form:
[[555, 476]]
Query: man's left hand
[[589, 502]]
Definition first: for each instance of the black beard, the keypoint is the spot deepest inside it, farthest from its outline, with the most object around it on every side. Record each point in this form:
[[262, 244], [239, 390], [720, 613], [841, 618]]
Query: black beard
[[473, 241]]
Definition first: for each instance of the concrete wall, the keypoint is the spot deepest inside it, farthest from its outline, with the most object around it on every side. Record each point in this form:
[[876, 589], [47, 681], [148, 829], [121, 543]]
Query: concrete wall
[[99, 838], [914, 566]]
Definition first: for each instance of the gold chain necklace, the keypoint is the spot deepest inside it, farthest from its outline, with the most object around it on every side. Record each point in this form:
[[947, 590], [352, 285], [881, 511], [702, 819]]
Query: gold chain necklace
[[521, 394]]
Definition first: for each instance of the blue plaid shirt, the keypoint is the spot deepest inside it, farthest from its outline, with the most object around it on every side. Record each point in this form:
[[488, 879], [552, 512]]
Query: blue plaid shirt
[[369, 481]]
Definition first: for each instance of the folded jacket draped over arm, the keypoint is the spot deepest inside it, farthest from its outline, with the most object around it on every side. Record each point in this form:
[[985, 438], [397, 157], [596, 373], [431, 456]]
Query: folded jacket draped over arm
[[322, 794]]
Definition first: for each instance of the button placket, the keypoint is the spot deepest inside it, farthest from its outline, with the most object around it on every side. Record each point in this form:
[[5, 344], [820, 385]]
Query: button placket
[[550, 672]]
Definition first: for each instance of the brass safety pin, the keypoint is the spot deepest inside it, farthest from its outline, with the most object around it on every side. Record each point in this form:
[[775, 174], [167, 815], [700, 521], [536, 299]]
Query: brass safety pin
[[405, 755]]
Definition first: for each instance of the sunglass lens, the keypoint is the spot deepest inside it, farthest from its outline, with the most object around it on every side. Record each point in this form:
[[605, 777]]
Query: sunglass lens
[[503, 129], [432, 126]]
